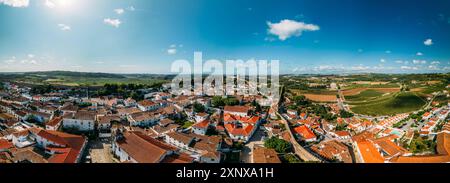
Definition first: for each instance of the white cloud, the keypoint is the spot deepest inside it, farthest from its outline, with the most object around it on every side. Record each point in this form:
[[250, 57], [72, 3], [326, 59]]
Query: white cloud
[[64, 27], [382, 60], [30, 56], [428, 42], [288, 28], [435, 63], [16, 3], [399, 61], [119, 11], [172, 51], [419, 54], [408, 68], [433, 67], [33, 62], [10, 61], [113, 22], [50, 4], [419, 61]]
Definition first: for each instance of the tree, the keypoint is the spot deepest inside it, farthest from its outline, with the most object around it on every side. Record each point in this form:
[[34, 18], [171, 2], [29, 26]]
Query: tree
[[231, 101], [198, 107], [300, 100], [217, 101], [280, 145], [292, 107], [291, 158], [346, 114], [341, 127]]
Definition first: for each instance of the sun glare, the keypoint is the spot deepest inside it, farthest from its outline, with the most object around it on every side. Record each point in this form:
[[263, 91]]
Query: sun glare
[[63, 5]]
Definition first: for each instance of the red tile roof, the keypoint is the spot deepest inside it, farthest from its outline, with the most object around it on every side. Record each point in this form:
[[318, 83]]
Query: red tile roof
[[202, 125], [144, 149], [5, 144], [71, 145], [54, 121], [342, 133], [234, 130], [241, 109], [178, 158], [264, 155], [146, 103], [369, 152], [305, 132], [232, 118]]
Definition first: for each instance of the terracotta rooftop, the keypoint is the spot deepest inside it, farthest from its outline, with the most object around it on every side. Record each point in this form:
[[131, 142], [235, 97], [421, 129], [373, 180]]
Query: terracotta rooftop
[[181, 137], [54, 121], [146, 103], [264, 155], [144, 149], [71, 145], [5, 144], [202, 125], [305, 132], [178, 158], [332, 149], [241, 109], [369, 152]]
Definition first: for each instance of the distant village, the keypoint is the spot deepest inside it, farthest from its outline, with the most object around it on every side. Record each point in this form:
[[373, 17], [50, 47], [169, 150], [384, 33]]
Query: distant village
[[62, 127]]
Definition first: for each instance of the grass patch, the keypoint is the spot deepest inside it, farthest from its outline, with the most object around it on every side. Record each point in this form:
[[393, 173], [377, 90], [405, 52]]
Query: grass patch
[[364, 95], [396, 104], [187, 124]]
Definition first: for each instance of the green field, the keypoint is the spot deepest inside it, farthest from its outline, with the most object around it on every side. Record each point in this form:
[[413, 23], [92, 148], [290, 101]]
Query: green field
[[66, 78], [364, 95], [353, 86], [394, 104]]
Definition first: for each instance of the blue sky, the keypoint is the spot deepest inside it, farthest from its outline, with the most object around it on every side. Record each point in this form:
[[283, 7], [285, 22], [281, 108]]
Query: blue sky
[[146, 36]]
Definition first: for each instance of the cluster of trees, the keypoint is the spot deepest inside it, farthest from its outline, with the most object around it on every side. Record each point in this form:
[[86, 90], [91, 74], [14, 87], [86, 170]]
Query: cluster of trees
[[317, 109], [41, 89], [84, 104], [323, 112], [291, 158], [257, 106], [301, 101], [279, 145], [218, 101], [125, 90], [341, 127], [346, 114], [420, 144], [198, 108], [2, 86], [417, 116]]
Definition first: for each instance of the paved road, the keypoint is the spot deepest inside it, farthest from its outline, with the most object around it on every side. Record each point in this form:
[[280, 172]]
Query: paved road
[[298, 149], [247, 151], [100, 152]]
